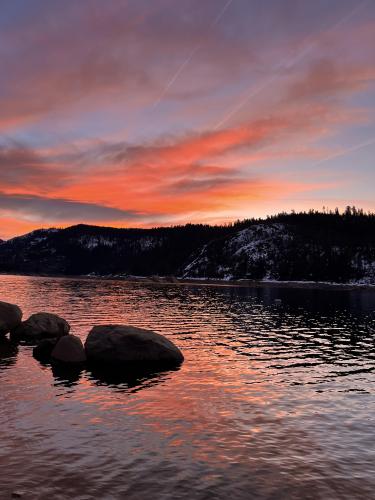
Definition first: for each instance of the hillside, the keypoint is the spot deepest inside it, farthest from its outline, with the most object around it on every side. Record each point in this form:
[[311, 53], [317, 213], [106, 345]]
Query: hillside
[[86, 249], [305, 246]]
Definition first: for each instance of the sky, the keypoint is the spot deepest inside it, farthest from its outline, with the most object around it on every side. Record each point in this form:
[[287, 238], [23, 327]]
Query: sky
[[142, 113]]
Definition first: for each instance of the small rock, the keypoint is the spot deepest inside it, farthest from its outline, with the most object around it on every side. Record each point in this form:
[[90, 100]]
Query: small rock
[[40, 326], [18, 494], [10, 317], [69, 349]]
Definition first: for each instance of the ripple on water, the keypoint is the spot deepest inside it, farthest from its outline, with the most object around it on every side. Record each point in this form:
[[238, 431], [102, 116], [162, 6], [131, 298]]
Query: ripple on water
[[273, 400]]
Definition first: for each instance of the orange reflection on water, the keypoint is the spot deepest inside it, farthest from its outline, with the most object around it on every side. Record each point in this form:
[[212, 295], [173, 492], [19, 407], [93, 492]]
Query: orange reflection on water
[[261, 403]]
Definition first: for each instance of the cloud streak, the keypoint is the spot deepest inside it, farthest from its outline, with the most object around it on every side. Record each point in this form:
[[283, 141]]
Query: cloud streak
[[43, 209], [20, 165]]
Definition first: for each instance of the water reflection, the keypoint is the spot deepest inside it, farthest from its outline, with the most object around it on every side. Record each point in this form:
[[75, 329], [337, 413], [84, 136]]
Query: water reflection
[[68, 376], [8, 353], [121, 379], [129, 380], [274, 400]]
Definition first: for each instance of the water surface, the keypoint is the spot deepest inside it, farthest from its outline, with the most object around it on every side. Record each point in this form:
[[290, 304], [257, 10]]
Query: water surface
[[272, 401]]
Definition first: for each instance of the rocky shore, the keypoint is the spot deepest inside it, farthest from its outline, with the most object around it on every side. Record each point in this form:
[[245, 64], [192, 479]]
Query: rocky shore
[[204, 281]]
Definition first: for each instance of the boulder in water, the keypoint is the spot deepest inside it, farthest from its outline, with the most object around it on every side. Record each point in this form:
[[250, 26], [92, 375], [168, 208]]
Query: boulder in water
[[130, 346], [40, 326], [69, 349], [10, 317]]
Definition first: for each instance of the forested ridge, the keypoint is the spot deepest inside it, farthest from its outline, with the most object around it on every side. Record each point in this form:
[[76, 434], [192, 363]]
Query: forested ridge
[[313, 245]]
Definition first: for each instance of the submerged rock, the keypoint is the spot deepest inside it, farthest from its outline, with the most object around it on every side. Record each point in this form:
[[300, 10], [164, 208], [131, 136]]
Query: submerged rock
[[40, 326], [128, 345], [69, 349], [43, 350], [10, 317], [18, 494], [8, 352]]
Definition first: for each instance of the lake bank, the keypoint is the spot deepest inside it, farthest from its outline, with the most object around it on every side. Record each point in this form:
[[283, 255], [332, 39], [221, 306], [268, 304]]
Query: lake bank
[[171, 280]]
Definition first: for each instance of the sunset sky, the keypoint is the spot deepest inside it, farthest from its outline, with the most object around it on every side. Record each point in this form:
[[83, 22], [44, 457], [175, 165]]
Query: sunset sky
[[155, 112]]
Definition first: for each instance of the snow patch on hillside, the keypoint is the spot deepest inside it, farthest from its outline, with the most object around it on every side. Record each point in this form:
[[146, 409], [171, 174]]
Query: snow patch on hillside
[[34, 237], [368, 268], [254, 247], [148, 243], [91, 242]]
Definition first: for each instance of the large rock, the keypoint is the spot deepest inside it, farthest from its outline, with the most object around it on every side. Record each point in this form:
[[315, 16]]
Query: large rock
[[10, 317], [69, 349], [128, 345], [40, 326]]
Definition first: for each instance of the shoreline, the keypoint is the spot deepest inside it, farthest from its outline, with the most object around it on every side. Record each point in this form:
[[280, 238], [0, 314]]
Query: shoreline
[[242, 283]]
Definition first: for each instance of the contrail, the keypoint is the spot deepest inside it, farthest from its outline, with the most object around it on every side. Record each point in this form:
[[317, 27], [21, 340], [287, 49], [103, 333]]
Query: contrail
[[287, 62], [220, 15], [345, 151], [176, 75], [190, 56]]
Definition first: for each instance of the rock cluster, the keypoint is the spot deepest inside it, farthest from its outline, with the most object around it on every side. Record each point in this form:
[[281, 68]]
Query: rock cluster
[[118, 346]]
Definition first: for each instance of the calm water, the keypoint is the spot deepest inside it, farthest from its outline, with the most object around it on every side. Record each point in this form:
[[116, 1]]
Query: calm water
[[273, 401]]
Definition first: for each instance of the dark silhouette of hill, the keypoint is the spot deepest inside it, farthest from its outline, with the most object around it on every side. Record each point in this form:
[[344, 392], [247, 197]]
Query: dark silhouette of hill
[[289, 246]]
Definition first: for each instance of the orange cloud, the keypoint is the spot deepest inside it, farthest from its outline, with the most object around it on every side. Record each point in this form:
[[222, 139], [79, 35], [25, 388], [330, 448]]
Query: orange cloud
[[179, 176], [175, 177]]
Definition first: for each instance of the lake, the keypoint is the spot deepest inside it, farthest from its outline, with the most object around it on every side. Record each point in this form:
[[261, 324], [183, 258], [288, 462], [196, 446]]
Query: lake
[[274, 399]]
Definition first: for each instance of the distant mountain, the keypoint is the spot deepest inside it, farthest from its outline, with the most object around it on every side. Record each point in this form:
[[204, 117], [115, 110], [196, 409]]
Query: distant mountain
[[86, 249], [305, 246]]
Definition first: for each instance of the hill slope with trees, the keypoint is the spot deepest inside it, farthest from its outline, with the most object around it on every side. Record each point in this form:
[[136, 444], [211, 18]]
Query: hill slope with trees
[[312, 245]]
